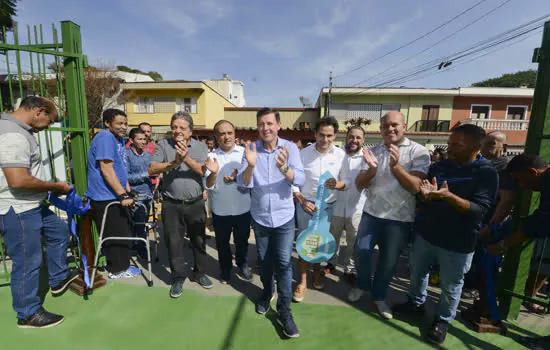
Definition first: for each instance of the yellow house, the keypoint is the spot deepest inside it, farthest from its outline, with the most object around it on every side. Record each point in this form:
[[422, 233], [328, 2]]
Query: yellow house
[[156, 102]]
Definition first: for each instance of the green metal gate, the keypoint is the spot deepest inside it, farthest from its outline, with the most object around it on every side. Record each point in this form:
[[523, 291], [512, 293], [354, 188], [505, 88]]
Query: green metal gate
[[518, 261], [51, 68]]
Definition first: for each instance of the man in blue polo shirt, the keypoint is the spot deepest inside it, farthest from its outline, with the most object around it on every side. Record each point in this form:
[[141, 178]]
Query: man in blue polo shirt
[[107, 183]]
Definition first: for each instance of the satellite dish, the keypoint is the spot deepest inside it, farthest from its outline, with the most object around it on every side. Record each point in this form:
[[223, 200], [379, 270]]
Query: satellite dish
[[306, 102]]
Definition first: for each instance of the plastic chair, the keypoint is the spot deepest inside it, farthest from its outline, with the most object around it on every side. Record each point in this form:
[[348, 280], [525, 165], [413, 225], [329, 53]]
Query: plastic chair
[[102, 240]]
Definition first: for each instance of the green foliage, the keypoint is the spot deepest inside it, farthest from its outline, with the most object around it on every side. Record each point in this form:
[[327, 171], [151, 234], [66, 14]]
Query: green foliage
[[155, 75], [522, 78], [7, 12]]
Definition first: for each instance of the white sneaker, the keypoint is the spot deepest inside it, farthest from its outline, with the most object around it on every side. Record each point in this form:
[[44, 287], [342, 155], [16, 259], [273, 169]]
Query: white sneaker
[[355, 294], [383, 309]]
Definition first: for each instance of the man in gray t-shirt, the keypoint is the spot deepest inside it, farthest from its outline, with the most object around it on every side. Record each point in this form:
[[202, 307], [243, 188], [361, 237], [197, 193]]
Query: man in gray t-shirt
[[181, 159]]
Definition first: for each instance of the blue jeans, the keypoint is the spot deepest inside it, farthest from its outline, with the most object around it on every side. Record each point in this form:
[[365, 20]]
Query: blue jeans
[[22, 235], [391, 236], [452, 266], [274, 253], [239, 225]]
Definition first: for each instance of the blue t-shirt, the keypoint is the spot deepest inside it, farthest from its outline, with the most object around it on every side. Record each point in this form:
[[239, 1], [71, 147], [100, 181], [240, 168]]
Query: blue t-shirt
[[105, 146]]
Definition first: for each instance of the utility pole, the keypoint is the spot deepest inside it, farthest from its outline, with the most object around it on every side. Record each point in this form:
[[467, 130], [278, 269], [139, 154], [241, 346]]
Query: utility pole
[[517, 264], [327, 109]]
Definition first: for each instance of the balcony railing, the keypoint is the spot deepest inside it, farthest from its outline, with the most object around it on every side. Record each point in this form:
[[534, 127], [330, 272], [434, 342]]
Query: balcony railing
[[431, 125], [499, 124]]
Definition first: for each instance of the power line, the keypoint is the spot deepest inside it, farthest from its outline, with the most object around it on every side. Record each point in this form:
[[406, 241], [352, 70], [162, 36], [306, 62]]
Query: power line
[[412, 41], [439, 41], [411, 74]]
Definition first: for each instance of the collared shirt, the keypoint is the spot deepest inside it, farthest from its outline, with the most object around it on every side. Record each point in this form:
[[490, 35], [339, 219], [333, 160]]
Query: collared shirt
[[105, 146], [350, 200], [386, 198], [228, 198], [138, 177], [182, 182], [316, 164], [19, 149], [272, 203]]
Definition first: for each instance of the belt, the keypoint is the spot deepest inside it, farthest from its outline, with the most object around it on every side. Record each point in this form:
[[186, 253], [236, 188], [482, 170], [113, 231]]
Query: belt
[[184, 201]]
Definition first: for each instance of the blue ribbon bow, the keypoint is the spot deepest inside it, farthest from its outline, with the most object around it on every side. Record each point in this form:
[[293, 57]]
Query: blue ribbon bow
[[73, 205]]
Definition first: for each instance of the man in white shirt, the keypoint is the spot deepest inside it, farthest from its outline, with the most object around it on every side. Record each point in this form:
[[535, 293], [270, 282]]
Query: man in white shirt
[[393, 173], [318, 158], [348, 208], [230, 202]]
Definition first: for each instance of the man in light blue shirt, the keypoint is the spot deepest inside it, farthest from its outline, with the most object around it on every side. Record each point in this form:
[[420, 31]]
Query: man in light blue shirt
[[271, 166], [230, 203]]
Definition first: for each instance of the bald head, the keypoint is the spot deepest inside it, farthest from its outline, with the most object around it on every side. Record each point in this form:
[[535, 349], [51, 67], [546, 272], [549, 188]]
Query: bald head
[[393, 115], [392, 128], [493, 144]]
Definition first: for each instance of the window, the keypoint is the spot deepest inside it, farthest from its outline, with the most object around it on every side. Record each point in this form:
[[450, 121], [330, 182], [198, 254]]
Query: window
[[480, 112], [165, 105], [144, 105], [516, 112], [187, 104]]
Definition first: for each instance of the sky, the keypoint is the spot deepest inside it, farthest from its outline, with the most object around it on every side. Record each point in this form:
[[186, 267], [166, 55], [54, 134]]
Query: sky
[[285, 49]]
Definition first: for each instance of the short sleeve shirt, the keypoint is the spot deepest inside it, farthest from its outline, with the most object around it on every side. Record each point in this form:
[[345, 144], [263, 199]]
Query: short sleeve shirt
[[105, 146], [19, 149], [386, 198], [182, 182]]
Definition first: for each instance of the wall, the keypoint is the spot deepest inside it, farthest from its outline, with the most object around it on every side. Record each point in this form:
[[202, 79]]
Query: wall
[[462, 107], [163, 119], [411, 106]]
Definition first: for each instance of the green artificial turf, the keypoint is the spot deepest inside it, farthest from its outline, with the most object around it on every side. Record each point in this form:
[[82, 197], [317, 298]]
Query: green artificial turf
[[122, 316]]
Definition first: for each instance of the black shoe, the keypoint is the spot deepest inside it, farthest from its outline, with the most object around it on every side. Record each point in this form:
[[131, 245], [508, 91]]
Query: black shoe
[[202, 280], [439, 331], [409, 308], [176, 290], [225, 277], [245, 273], [41, 319], [62, 287], [289, 327], [263, 305]]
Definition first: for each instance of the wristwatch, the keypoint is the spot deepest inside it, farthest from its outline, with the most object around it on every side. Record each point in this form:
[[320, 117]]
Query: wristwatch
[[285, 170], [124, 196]]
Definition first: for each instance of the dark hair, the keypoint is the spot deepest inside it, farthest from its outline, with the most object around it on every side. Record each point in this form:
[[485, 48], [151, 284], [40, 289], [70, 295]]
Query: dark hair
[[327, 121], [220, 122], [31, 102], [524, 162], [268, 110], [110, 114], [355, 127], [183, 115], [471, 131], [135, 131], [144, 124]]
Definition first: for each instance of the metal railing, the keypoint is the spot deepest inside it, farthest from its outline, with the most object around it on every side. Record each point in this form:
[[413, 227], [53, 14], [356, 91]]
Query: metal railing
[[499, 124], [431, 126]]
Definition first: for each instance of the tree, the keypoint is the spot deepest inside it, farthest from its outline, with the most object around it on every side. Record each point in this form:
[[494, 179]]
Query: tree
[[155, 75], [357, 121], [522, 78], [7, 12]]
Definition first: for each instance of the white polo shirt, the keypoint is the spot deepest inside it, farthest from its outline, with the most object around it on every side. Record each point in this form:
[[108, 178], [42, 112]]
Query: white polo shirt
[[386, 198], [350, 200], [315, 165], [227, 199]]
